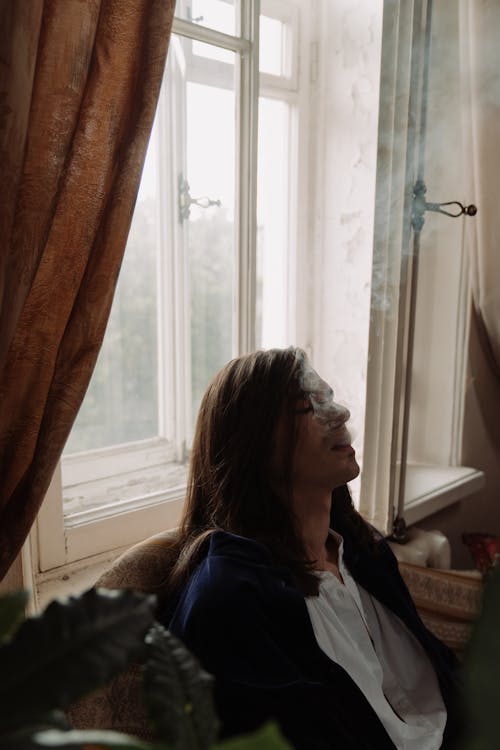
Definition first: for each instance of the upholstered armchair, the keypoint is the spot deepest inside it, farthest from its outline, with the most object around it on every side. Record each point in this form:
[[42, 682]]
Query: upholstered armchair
[[119, 705], [448, 602]]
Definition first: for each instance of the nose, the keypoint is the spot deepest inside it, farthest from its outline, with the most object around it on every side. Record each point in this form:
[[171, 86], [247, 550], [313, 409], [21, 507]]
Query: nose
[[340, 413], [332, 413]]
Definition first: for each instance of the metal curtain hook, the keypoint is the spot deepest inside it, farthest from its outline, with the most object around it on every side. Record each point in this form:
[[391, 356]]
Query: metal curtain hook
[[420, 206], [470, 210]]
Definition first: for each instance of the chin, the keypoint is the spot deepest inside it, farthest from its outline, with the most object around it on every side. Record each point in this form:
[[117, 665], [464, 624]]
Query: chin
[[354, 471], [344, 478]]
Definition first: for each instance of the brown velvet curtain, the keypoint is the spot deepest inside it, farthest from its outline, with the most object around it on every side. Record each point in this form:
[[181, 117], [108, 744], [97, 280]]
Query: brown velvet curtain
[[79, 82]]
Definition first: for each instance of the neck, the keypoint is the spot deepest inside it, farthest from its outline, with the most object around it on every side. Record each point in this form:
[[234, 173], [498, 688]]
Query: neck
[[313, 516]]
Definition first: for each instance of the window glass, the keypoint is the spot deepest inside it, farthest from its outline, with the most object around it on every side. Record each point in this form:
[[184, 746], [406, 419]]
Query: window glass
[[221, 15], [127, 401], [272, 46], [121, 404], [210, 231]]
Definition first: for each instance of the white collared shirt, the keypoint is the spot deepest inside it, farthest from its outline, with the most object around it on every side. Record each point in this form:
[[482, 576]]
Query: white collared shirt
[[381, 656]]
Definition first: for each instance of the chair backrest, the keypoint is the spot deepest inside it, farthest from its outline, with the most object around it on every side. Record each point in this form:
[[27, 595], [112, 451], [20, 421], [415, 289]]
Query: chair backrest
[[119, 705], [142, 567]]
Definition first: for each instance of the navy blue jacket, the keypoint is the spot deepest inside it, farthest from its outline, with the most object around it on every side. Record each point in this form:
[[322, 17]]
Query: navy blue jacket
[[248, 624]]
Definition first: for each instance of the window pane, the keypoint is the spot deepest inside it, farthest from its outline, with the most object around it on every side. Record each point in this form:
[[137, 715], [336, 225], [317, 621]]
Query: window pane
[[221, 15], [121, 404], [272, 223], [210, 231], [272, 46]]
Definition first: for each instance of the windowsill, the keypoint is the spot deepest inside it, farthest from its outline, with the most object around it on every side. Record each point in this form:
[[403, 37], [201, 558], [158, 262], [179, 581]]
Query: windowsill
[[127, 491], [73, 578], [108, 513], [430, 488]]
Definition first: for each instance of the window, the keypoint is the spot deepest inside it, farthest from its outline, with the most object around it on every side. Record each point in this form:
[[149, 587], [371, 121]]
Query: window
[[285, 148], [201, 280]]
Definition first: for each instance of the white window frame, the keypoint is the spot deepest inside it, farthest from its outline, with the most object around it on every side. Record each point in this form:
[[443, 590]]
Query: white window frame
[[59, 543]]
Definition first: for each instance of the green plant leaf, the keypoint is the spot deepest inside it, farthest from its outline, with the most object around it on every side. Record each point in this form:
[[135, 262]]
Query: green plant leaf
[[73, 647], [482, 662], [178, 693], [35, 722], [20, 736], [12, 608], [78, 738], [269, 737]]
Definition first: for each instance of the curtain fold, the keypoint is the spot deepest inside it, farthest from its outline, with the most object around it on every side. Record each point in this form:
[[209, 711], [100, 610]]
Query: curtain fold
[[79, 82], [480, 35]]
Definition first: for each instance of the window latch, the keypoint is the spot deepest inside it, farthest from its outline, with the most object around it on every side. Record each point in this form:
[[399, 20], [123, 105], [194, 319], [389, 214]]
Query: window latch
[[185, 201], [420, 206], [198, 19]]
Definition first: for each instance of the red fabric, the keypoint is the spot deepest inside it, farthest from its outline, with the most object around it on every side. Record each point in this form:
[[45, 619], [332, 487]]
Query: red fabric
[[484, 548]]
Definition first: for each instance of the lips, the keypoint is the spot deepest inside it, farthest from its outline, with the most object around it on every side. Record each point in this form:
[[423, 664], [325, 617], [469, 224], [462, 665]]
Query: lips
[[344, 449], [341, 439]]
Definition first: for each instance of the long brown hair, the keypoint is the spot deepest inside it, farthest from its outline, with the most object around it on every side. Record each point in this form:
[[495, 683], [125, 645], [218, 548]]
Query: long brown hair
[[230, 483]]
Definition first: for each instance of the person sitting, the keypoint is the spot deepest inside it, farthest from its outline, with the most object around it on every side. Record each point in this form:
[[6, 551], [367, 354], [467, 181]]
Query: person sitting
[[281, 589]]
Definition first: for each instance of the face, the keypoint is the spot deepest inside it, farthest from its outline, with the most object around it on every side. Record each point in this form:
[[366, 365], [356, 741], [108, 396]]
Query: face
[[323, 458]]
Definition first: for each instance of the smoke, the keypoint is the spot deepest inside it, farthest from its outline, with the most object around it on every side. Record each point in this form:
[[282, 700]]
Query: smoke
[[320, 395]]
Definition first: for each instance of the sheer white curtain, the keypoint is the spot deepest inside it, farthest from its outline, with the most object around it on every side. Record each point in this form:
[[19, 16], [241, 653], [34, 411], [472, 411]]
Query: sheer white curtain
[[480, 41], [480, 86]]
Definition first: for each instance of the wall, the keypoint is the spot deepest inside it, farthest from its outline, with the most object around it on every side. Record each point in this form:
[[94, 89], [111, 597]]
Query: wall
[[350, 37]]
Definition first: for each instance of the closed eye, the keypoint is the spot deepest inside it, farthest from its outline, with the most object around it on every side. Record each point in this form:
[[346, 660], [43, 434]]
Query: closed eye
[[306, 410], [303, 406]]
